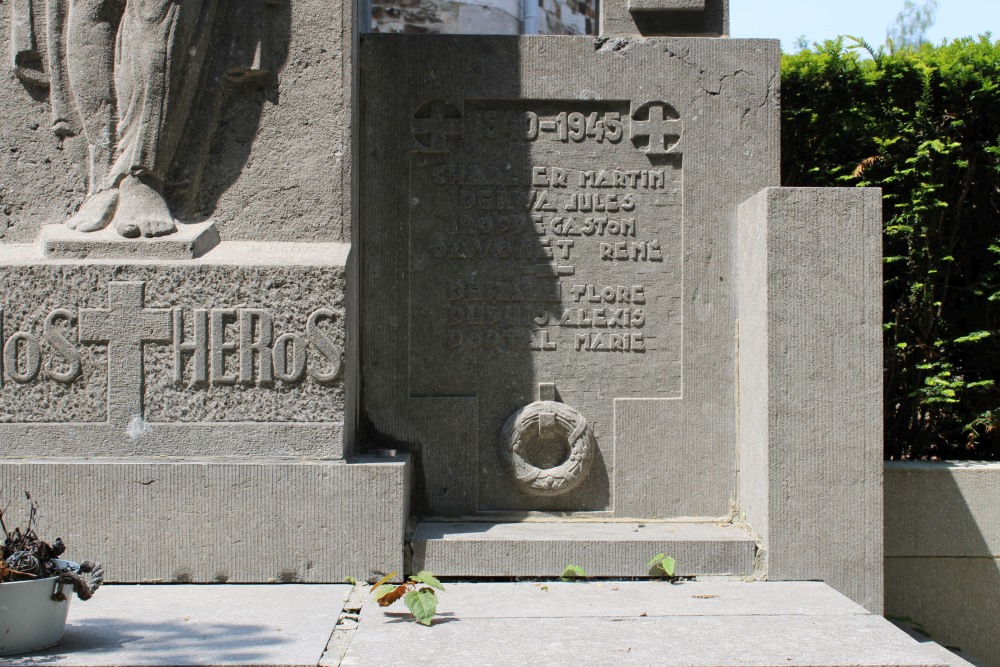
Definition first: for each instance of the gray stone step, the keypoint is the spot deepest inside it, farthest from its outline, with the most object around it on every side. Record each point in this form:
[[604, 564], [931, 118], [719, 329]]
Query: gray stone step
[[602, 549], [608, 623], [638, 624]]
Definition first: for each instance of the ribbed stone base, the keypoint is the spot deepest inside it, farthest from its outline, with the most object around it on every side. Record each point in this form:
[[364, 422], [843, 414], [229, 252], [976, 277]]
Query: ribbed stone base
[[219, 521]]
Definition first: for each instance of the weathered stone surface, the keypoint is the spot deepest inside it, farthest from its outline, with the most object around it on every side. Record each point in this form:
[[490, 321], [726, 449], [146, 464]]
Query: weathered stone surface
[[942, 542], [602, 549], [64, 132], [942, 509], [235, 359], [953, 599], [212, 521], [810, 385], [639, 625], [564, 238], [652, 18], [184, 626]]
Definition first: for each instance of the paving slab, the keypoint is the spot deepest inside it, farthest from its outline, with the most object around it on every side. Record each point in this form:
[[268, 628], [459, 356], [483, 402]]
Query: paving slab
[[472, 549], [639, 599], [187, 626], [952, 657], [637, 625]]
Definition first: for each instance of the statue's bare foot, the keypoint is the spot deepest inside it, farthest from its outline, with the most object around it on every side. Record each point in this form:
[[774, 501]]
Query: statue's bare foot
[[95, 213], [142, 211]]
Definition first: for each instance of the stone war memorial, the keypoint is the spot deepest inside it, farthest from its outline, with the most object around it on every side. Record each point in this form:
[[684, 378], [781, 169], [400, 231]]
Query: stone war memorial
[[281, 302]]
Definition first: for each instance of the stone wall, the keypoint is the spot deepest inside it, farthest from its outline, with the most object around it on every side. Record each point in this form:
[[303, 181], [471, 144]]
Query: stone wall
[[483, 17], [942, 545]]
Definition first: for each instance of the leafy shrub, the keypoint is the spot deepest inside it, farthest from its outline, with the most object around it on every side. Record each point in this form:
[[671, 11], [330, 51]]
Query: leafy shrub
[[924, 125]]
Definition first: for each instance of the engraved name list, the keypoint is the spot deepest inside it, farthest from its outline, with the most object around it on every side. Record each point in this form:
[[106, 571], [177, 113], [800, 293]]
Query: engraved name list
[[549, 229]]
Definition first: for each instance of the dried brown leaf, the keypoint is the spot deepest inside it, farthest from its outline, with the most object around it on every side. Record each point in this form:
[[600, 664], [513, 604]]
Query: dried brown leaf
[[393, 595], [867, 162]]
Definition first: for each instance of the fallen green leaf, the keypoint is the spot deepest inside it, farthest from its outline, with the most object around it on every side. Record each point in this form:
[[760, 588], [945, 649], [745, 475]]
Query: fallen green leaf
[[422, 604], [425, 577]]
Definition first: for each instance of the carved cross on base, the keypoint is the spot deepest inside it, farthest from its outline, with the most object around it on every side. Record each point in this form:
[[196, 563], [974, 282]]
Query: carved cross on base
[[663, 129], [125, 326], [437, 120]]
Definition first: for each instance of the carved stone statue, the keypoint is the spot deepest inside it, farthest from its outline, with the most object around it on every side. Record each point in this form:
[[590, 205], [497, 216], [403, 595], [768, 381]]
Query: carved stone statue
[[127, 74]]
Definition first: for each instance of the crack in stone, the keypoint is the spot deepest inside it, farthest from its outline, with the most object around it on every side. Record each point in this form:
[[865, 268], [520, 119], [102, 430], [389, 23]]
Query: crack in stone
[[613, 44]]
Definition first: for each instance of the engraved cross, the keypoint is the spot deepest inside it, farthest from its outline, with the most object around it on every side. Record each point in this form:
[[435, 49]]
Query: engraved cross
[[437, 127], [663, 132], [546, 420], [125, 326]]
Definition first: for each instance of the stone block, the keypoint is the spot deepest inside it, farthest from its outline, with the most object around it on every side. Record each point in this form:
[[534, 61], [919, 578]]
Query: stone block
[[216, 521], [189, 242], [552, 266], [942, 543], [955, 600], [942, 509], [239, 353], [602, 549], [658, 18], [810, 385]]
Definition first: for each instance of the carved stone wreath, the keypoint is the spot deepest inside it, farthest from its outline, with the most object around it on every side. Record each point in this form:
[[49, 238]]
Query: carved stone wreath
[[548, 419]]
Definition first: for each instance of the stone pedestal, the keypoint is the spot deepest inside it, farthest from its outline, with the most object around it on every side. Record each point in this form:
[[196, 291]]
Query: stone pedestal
[[194, 412], [560, 233], [182, 404], [575, 305], [569, 319], [810, 385]]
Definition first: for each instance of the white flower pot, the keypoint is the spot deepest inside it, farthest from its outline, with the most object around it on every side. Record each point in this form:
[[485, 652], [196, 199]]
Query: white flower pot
[[30, 620]]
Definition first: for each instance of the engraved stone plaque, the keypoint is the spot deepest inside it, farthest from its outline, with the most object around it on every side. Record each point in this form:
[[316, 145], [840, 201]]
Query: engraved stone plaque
[[573, 258], [555, 239], [203, 359]]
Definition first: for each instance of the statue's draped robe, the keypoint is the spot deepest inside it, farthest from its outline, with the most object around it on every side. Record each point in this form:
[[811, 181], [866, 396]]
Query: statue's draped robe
[[159, 53], [143, 81]]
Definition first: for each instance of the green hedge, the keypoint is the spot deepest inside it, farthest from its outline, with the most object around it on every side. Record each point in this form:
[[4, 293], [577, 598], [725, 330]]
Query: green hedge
[[924, 125]]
